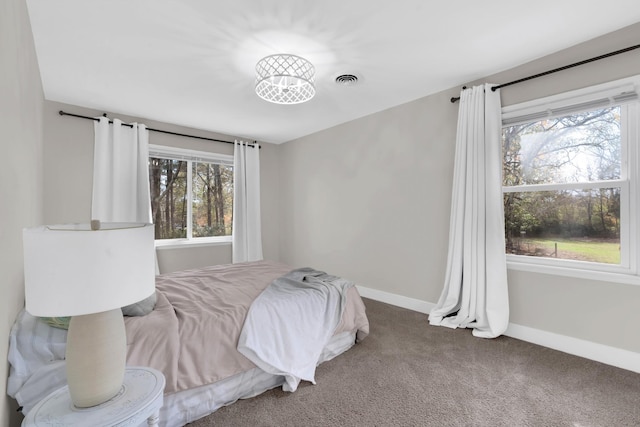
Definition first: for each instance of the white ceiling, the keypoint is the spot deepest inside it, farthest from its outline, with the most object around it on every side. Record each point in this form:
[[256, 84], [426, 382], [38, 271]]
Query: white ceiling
[[191, 62]]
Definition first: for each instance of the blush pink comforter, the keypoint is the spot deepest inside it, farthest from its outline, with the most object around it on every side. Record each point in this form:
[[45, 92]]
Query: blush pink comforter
[[192, 334]]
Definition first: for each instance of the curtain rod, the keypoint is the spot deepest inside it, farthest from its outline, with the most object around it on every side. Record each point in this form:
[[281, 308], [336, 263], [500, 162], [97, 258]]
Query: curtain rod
[[64, 113], [555, 70]]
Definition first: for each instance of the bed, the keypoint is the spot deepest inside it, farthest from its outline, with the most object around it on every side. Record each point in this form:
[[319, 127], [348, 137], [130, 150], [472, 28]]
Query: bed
[[218, 334]]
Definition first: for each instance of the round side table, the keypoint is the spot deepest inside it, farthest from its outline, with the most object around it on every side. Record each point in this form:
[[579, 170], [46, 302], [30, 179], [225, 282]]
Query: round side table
[[139, 399]]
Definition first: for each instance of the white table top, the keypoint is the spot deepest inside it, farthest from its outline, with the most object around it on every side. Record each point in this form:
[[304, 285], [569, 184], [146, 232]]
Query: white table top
[[141, 397]]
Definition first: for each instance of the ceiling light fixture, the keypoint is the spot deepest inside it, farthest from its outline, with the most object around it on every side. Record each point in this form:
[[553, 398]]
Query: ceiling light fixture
[[285, 79]]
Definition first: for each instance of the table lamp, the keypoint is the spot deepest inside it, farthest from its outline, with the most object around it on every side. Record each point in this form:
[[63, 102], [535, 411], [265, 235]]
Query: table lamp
[[89, 272]]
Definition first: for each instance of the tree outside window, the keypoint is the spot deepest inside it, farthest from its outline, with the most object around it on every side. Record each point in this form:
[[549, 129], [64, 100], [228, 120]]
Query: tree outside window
[[212, 199], [190, 198], [563, 182]]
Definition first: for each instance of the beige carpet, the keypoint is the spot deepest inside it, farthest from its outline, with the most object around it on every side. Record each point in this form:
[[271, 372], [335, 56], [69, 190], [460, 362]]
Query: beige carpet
[[407, 373]]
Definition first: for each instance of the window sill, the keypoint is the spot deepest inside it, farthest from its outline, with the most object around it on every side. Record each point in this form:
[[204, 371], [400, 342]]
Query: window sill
[[604, 276], [192, 243]]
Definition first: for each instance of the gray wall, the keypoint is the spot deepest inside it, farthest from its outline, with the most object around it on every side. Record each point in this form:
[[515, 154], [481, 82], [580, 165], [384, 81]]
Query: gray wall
[[21, 188], [370, 200], [68, 171], [358, 199]]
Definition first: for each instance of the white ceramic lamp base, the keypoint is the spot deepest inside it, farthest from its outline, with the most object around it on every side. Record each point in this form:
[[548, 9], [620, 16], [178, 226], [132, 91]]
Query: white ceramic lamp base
[[96, 357]]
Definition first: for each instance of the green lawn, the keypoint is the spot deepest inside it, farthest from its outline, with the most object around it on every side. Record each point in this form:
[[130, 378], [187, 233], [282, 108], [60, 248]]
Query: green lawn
[[605, 251]]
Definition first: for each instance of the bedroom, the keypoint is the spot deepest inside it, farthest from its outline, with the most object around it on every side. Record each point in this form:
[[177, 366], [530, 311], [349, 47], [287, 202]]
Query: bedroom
[[595, 314]]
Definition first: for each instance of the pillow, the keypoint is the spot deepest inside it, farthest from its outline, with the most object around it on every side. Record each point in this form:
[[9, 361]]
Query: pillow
[[57, 322], [33, 345], [141, 308]]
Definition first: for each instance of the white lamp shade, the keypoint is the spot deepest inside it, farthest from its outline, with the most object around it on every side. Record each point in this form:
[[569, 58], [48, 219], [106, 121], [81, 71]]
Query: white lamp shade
[[71, 270]]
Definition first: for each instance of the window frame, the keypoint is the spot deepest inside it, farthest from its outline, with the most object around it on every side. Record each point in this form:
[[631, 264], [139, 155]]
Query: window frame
[[190, 156], [607, 94]]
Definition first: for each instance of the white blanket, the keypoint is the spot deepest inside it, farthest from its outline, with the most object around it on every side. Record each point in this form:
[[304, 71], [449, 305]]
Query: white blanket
[[290, 323]]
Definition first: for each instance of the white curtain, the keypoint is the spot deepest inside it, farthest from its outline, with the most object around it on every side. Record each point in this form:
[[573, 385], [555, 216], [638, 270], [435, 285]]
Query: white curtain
[[475, 291], [247, 234], [121, 173]]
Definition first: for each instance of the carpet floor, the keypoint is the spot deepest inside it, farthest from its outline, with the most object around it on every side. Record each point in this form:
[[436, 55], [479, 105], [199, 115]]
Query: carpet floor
[[408, 373]]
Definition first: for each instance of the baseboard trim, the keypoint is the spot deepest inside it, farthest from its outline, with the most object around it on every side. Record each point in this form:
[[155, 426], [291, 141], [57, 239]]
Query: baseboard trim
[[613, 356], [397, 300]]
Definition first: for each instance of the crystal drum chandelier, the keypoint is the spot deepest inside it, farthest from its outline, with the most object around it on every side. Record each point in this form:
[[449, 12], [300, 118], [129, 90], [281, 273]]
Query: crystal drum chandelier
[[285, 79]]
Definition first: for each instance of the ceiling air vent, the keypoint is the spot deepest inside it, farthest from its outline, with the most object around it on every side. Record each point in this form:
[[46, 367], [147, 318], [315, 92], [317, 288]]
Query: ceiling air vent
[[347, 80]]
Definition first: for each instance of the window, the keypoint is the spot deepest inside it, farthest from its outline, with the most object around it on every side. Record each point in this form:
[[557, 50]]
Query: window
[[191, 194], [570, 176]]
